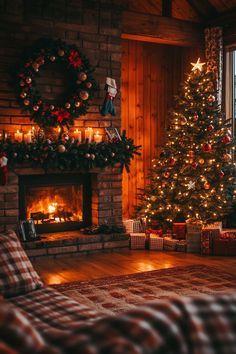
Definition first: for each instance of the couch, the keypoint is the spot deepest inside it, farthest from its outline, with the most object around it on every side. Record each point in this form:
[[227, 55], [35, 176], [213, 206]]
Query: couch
[[38, 319]]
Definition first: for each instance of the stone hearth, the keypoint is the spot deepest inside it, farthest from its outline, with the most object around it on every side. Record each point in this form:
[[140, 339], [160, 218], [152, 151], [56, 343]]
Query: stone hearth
[[74, 243]]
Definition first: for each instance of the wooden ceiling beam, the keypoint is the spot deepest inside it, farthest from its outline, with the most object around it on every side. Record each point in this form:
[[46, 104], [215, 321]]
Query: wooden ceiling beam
[[157, 29], [203, 8]]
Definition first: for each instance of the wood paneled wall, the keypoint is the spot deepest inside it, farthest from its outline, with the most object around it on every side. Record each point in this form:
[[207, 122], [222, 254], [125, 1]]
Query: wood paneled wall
[[151, 76]]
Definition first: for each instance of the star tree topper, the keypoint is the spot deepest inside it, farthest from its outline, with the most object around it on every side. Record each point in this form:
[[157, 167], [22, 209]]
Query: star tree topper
[[198, 65]]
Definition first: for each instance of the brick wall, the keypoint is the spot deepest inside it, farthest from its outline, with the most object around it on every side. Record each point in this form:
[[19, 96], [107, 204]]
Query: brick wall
[[95, 27]]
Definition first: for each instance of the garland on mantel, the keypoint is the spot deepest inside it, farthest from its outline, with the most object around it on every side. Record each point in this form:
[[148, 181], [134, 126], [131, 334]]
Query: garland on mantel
[[69, 154]]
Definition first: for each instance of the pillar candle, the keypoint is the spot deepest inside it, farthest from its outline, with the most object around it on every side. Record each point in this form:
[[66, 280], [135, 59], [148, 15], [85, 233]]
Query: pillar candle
[[89, 134], [97, 137], [28, 138], [18, 136], [78, 135]]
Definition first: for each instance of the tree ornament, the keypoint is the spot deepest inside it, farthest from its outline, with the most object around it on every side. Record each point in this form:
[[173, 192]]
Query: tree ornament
[[183, 121], [70, 57], [210, 127], [28, 80], [93, 157], [191, 185], [82, 76], [127, 147], [191, 153], [226, 139], [3, 168], [61, 52], [194, 165], [167, 174], [201, 161], [23, 94], [36, 108], [211, 98], [207, 147], [172, 161], [26, 102], [221, 174], [52, 107], [111, 91], [87, 156], [113, 154], [61, 148], [195, 117], [206, 185], [84, 95], [77, 104], [227, 157]]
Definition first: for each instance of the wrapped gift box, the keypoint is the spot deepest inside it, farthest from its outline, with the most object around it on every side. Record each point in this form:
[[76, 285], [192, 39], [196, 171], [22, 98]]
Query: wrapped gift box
[[224, 247], [133, 226], [158, 232], [193, 226], [215, 228], [179, 229], [169, 244], [228, 234], [155, 242], [193, 242], [137, 241], [181, 246], [207, 238]]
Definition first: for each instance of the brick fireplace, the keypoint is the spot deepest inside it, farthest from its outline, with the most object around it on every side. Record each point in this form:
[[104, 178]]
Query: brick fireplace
[[94, 27]]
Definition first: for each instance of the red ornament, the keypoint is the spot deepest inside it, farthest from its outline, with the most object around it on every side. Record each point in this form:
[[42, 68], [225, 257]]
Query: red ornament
[[172, 161], [221, 174], [195, 117], [210, 128], [211, 98], [74, 58], [226, 139], [207, 147], [194, 165]]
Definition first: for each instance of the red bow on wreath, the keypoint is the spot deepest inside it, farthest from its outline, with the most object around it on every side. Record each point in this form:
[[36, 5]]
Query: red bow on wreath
[[74, 59], [61, 114]]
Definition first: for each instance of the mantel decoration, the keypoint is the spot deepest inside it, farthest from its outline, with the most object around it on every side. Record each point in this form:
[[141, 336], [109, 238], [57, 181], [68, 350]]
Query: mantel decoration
[[78, 71], [67, 154]]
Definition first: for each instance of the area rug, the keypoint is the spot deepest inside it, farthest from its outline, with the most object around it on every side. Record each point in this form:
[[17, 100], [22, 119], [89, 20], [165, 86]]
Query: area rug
[[116, 294]]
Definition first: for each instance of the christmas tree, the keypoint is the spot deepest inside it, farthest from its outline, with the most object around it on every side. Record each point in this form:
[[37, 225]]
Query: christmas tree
[[194, 176]]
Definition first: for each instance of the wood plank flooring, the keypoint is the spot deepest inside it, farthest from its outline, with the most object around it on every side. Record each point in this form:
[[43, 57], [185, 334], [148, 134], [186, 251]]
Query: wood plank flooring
[[86, 267]]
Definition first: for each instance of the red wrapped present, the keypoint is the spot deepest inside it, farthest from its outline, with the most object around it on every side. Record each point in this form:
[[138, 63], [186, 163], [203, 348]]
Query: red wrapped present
[[224, 247], [229, 234], [179, 228], [158, 232], [207, 237]]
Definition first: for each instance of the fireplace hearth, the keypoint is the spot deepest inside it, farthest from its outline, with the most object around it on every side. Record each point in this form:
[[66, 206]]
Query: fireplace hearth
[[56, 202]]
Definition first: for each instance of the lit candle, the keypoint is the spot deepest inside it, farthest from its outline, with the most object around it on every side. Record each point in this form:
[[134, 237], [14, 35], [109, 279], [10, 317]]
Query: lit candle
[[97, 137], [18, 136], [77, 135], [28, 137], [89, 134]]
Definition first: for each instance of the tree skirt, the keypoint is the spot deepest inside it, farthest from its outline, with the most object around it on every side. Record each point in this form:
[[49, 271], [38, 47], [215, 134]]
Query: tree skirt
[[116, 294]]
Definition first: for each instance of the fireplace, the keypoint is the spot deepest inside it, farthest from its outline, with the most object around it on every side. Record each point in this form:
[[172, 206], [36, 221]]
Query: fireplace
[[56, 202]]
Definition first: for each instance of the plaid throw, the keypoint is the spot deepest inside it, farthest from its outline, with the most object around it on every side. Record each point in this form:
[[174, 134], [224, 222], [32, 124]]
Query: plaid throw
[[17, 275], [46, 308], [204, 325]]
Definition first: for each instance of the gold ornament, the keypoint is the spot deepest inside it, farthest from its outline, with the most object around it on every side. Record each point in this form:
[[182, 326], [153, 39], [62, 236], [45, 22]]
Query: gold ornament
[[26, 102], [77, 104], [23, 94], [61, 52], [183, 121], [52, 58], [35, 66], [82, 76], [67, 105], [198, 65], [201, 161], [88, 85], [206, 185], [61, 148], [84, 95], [227, 157], [28, 80], [87, 156], [93, 157], [191, 153]]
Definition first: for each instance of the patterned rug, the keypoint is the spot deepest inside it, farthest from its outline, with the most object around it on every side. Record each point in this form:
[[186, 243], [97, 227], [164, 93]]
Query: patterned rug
[[115, 294]]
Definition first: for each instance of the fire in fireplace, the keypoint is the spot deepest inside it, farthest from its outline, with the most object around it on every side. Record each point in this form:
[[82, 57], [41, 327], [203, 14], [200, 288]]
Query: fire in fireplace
[[56, 202]]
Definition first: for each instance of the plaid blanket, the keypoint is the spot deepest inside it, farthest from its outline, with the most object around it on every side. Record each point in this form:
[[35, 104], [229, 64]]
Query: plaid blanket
[[203, 325]]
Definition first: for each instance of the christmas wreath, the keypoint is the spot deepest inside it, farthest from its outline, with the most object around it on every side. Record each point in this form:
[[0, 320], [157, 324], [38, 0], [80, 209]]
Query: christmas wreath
[[78, 72]]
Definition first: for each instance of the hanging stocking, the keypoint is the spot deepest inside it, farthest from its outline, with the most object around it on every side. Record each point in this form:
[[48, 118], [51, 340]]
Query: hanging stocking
[[111, 89], [3, 168]]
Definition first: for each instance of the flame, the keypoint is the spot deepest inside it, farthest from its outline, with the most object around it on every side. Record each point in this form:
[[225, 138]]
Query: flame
[[52, 208]]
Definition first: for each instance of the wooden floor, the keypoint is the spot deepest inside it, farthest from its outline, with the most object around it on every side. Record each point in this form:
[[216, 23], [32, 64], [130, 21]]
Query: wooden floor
[[85, 267]]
